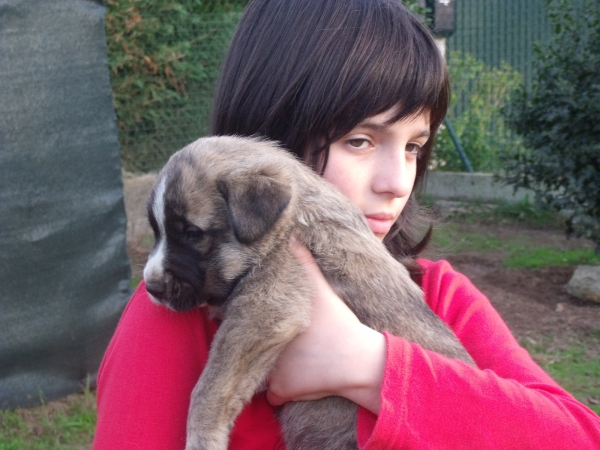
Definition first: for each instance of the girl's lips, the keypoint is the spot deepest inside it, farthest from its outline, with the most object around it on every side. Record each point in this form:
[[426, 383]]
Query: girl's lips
[[380, 224]]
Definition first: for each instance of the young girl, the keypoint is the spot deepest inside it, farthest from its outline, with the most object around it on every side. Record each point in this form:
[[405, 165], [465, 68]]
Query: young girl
[[357, 89]]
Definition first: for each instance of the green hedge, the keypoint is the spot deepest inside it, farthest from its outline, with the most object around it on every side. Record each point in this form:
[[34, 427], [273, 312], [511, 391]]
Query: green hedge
[[559, 119], [164, 58]]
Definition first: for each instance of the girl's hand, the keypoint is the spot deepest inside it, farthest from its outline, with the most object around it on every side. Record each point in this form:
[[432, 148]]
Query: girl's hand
[[336, 355]]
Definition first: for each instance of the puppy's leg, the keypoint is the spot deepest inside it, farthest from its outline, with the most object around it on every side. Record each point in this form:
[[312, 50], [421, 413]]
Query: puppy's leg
[[243, 352], [327, 424]]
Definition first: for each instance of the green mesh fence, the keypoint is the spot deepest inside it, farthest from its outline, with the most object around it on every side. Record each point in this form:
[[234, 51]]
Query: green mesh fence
[[64, 271], [501, 32], [489, 55]]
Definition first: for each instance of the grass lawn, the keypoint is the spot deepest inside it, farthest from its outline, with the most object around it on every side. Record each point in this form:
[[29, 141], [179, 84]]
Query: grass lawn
[[64, 424], [519, 251], [574, 365]]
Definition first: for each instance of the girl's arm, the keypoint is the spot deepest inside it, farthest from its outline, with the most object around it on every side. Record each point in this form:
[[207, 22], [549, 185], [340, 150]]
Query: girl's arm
[[149, 370], [429, 400], [426, 400], [144, 383], [337, 355]]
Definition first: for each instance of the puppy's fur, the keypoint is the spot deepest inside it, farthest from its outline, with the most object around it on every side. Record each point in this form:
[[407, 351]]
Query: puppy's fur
[[223, 211]]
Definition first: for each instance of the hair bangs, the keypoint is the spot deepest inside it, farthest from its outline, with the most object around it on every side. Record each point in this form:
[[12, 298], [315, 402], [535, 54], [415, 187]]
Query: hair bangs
[[391, 62]]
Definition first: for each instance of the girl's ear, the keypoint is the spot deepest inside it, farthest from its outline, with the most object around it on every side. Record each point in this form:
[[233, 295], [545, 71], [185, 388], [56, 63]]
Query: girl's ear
[[254, 204]]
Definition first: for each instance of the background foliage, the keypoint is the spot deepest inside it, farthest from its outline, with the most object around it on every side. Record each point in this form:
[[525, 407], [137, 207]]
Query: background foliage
[[559, 119], [479, 94], [164, 58]]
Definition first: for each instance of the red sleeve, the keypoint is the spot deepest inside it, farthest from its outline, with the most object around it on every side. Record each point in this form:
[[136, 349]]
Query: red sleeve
[[148, 372], [507, 402], [144, 383]]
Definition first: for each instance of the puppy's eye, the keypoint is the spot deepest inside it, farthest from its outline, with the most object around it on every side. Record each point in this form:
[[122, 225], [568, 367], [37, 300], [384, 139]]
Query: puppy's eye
[[193, 233]]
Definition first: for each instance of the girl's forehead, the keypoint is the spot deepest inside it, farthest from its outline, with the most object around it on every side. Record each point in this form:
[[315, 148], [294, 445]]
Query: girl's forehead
[[391, 116]]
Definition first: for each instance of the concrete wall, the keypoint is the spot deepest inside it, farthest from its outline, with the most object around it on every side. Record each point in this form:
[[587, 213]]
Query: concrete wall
[[462, 186]]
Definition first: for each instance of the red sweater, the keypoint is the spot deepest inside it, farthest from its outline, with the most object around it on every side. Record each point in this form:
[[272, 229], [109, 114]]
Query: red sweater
[[428, 401]]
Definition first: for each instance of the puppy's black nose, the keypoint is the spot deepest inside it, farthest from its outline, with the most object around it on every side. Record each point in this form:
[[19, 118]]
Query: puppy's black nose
[[156, 288]]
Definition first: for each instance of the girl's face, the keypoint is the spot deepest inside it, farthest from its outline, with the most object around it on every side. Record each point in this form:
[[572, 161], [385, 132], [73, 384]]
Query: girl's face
[[375, 166]]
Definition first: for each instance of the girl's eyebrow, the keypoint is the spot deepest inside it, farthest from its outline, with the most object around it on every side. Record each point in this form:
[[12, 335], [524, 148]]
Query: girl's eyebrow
[[383, 128], [424, 133], [374, 126]]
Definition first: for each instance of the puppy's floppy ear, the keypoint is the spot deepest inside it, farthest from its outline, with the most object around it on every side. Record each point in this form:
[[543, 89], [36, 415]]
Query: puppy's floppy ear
[[254, 203]]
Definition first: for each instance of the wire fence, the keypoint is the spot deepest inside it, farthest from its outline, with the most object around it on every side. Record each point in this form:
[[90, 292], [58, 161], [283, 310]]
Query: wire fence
[[501, 31], [489, 55], [164, 76]]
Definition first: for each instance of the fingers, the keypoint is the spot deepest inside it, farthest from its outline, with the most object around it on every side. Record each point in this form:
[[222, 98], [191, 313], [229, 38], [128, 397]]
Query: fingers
[[301, 252], [274, 399]]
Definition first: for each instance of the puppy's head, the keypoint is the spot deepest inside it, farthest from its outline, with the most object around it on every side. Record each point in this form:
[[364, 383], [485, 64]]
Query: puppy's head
[[215, 210]]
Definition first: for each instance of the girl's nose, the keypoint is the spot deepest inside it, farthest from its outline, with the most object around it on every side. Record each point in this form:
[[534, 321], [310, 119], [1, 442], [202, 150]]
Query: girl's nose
[[393, 174]]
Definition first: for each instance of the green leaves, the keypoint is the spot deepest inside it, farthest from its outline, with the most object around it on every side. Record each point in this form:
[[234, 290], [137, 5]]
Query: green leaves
[[478, 96], [164, 58], [559, 120]]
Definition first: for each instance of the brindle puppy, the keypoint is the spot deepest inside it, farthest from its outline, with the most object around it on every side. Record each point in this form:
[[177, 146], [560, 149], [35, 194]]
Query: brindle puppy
[[223, 211]]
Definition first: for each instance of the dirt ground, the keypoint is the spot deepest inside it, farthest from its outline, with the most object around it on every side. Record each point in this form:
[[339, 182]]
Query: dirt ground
[[533, 302]]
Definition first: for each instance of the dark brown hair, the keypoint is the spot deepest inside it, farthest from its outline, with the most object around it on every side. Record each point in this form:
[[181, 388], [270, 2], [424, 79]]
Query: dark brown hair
[[306, 72]]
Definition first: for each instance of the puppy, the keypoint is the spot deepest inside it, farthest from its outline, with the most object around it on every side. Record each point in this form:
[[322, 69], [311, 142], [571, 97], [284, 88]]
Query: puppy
[[223, 211]]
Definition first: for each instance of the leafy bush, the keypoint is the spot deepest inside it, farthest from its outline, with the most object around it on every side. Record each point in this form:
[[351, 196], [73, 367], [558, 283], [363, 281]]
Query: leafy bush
[[164, 57], [559, 119], [479, 93], [416, 7]]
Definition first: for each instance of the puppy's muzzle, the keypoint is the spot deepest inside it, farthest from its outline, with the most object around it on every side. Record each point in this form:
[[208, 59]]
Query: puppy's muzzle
[[161, 287], [172, 292], [156, 289]]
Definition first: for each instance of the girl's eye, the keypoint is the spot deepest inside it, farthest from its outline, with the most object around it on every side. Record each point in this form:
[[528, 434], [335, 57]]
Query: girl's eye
[[358, 143], [413, 148]]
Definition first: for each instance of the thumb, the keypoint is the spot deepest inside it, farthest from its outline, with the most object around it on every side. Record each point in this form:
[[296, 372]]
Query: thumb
[[305, 257]]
